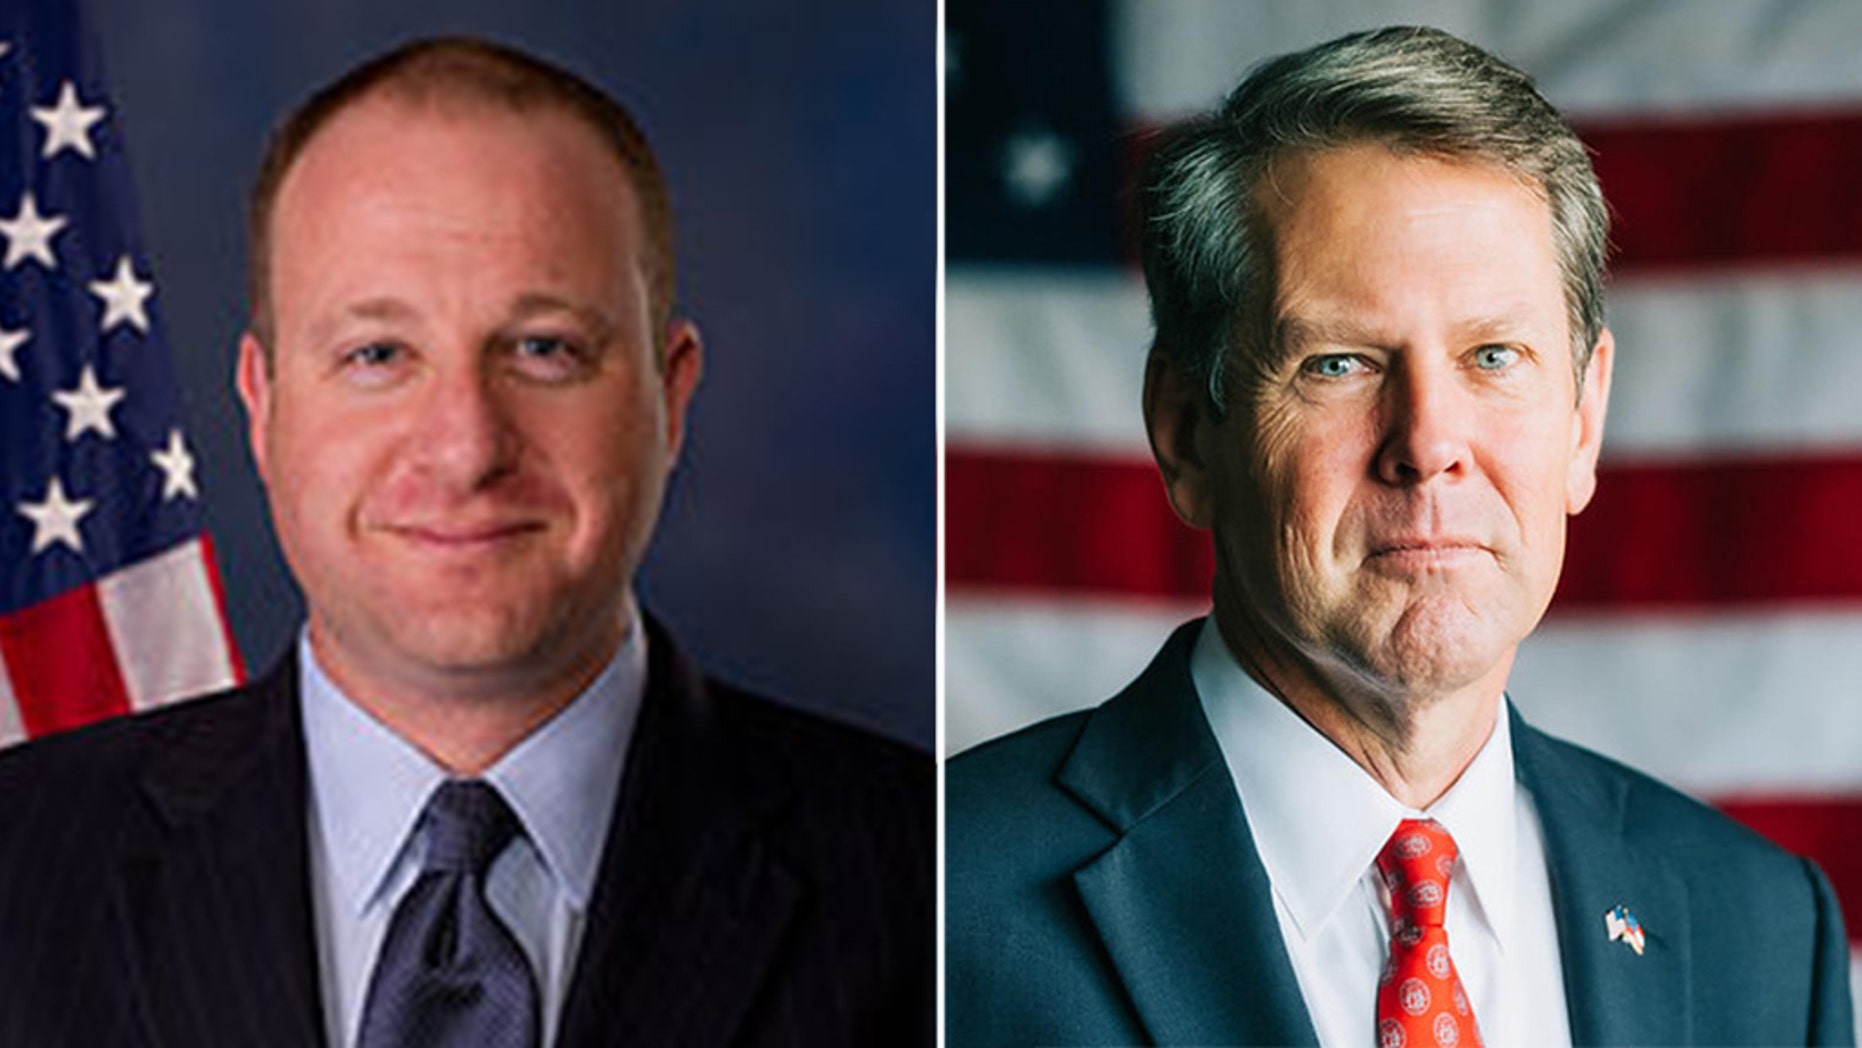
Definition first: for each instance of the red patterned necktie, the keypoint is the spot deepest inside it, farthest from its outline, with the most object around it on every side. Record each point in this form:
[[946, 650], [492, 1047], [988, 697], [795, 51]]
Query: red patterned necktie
[[1420, 1000]]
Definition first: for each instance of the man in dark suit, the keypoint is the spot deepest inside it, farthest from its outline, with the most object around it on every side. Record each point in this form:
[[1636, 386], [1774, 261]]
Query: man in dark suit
[[486, 801], [1379, 377]]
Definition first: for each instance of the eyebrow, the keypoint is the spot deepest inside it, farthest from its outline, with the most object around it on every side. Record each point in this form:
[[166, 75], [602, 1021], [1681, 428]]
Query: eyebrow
[[1292, 333], [535, 304], [525, 307]]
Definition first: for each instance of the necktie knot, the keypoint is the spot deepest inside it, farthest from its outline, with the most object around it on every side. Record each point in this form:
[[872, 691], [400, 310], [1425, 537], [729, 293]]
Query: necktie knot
[[468, 824], [1416, 864]]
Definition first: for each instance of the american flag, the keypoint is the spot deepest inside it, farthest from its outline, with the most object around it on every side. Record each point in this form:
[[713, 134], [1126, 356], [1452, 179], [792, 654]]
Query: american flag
[[1708, 626], [109, 600]]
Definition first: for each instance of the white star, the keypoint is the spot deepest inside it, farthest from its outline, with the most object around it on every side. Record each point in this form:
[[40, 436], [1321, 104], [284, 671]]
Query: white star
[[68, 123], [1036, 166], [29, 235], [4, 48], [123, 296], [10, 341], [177, 468], [90, 406], [56, 519]]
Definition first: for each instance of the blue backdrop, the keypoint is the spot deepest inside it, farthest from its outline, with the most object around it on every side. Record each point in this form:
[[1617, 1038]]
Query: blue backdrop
[[796, 554]]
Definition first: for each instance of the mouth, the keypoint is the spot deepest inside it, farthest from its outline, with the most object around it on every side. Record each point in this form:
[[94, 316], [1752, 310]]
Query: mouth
[[463, 537], [1422, 552]]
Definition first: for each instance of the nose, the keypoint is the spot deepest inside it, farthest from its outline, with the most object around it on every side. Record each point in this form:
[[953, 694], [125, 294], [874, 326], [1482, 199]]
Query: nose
[[463, 438], [1426, 420]]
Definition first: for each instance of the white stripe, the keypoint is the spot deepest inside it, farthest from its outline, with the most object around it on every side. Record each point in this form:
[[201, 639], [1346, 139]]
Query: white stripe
[[1590, 57], [1719, 705], [1009, 662], [11, 728], [1047, 356], [1758, 362], [1722, 365], [165, 626]]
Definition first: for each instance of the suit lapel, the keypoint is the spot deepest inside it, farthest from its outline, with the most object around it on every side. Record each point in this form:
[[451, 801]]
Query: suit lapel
[[1181, 901], [216, 900], [691, 903], [1614, 995]]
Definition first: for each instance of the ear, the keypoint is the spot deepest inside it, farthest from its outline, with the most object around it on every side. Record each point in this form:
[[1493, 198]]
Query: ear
[[682, 364], [252, 375], [1175, 415], [1587, 425]]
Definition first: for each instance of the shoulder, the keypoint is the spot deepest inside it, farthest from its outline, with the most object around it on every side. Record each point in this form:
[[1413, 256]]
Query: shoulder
[[1764, 929], [1005, 790], [812, 749], [97, 767], [847, 794], [1662, 819], [1013, 837]]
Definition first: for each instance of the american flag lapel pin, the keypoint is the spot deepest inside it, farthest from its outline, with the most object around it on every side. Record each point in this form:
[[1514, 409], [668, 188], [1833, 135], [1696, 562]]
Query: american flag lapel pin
[[1623, 926]]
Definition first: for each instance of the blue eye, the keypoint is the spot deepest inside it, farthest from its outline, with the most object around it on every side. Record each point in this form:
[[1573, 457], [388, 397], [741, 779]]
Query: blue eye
[[1495, 358], [374, 354], [549, 358], [1333, 365], [541, 346]]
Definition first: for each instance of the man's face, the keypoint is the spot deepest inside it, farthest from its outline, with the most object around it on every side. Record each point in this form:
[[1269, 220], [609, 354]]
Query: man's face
[[463, 429], [1390, 486]]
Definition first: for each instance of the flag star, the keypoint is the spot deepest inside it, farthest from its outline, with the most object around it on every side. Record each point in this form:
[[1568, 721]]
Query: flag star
[[4, 48], [123, 296], [56, 519], [177, 468], [68, 123], [29, 235], [90, 405], [1036, 166], [10, 341]]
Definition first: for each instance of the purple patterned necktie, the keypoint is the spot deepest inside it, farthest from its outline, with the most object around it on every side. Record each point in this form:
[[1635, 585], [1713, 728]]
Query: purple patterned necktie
[[449, 972]]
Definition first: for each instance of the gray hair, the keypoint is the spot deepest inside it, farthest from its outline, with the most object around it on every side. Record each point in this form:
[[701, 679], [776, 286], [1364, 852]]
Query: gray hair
[[1208, 255]]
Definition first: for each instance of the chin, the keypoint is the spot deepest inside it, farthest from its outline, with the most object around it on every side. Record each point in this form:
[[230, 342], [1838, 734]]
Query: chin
[[1435, 647], [449, 640]]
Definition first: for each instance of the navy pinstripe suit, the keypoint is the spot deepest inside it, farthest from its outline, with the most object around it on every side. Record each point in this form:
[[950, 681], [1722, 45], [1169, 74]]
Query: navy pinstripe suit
[[767, 880]]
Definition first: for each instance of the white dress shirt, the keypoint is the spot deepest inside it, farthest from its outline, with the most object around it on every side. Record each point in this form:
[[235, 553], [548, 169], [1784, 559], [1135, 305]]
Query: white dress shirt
[[368, 787], [1319, 821]]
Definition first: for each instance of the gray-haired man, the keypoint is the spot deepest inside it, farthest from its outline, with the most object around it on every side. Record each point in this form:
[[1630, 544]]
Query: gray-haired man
[[1379, 378]]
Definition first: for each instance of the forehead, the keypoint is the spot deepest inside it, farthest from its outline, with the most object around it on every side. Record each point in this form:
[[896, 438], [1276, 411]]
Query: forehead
[[440, 158], [1382, 231]]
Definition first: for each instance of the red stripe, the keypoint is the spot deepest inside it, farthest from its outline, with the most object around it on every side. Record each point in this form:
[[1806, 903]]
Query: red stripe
[[1670, 535], [1746, 532], [1060, 523], [218, 585], [1826, 829], [61, 663], [1731, 189]]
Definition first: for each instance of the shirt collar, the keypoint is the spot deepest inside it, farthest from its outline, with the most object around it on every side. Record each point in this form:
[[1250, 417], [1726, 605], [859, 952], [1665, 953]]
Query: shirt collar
[[369, 785], [1292, 781]]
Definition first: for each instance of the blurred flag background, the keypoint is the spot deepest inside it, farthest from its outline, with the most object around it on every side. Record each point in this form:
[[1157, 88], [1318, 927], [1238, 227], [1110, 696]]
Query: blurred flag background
[[1708, 626], [109, 596]]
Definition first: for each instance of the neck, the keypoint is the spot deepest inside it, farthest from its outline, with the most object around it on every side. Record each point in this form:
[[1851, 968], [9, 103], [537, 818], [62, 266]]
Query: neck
[[464, 720], [1414, 743]]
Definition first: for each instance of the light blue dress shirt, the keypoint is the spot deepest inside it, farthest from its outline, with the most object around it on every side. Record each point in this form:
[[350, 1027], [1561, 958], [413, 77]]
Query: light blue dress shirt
[[368, 787]]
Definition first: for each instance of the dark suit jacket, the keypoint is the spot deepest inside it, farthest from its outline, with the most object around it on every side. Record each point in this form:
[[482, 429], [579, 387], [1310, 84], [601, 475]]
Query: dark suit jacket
[[1103, 888], [767, 881]]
